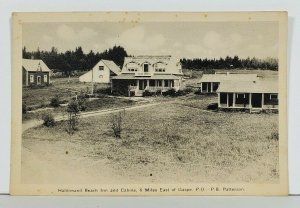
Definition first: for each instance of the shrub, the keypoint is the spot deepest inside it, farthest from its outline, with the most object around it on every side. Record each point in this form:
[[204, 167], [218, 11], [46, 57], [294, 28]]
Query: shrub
[[24, 108], [117, 123], [188, 90], [170, 92], [82, 103], [106, 91], [198, 92], [73, 112], [54, 102], [212, 106], [147, 93], [48, 119]]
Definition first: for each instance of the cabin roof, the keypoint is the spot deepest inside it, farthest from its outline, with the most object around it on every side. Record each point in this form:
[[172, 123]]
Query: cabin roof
[[258, 86], [112, 66], [170, 62], [227, 76], [155, 76], [34, 65]]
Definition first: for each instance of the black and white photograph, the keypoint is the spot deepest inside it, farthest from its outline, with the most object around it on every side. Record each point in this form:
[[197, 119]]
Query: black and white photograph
[[149, 104]]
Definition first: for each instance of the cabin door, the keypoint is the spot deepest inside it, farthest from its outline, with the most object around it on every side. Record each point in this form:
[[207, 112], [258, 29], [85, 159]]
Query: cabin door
[[38, 80], [256, 100]]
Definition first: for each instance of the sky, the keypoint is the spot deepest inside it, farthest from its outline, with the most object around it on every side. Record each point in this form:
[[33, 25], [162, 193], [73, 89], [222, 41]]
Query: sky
[[179, 39]]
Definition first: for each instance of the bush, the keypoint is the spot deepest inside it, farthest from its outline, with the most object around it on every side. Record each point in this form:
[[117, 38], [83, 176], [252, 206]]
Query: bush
[[54, 102], [106, 91], [170, 92], [117, 123], [148, 93], [24, 108], [73, 112], [212, 106], [198, 92], [82, 103], [48, 119]]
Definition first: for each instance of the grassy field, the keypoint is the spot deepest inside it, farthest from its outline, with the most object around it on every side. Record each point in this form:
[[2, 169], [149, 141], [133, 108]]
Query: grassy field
[[64, 88], [175, 142]]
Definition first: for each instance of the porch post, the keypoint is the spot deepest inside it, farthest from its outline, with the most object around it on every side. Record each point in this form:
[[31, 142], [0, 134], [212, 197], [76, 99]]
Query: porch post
[[201, 87], [227, 96], [137, 84], [233, 103], [250, 100], [162, 84], [111, 85], [211, 87], [262, 100], [147, 84]]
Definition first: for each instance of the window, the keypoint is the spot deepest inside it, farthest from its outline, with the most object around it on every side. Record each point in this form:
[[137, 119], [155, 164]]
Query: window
[[31, 78], [273, 96], [45, 78], [240, 95], [100, 76], [101, 68]]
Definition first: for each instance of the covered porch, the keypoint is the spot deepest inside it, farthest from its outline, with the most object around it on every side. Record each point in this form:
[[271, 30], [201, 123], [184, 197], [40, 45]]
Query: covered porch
[[235, 100], [209, 87]]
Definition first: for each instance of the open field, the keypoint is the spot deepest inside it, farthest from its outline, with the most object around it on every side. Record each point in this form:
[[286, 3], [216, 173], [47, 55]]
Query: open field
[[178, 142], [64, 88]]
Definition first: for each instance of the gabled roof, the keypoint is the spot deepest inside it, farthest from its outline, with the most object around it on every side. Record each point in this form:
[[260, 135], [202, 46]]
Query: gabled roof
[[228, 76], [34, 65], [259, 86], [112, 66], [171, 63]]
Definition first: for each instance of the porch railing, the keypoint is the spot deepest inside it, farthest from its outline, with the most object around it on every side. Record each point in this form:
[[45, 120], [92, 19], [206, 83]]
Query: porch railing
[[143, 74]]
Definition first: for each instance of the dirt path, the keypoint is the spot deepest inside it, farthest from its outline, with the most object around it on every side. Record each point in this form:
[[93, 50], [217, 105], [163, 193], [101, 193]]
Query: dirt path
[[35, 122]]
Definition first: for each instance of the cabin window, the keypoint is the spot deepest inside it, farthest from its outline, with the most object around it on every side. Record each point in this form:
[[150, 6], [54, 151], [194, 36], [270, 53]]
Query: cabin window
[[101, 68], [240, 95], [273, 96], [31, 78], [146, 67], [45, 78]]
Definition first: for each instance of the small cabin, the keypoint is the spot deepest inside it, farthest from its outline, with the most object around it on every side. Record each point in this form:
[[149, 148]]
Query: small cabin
[[209, 83], [261, 94], [35, 72]]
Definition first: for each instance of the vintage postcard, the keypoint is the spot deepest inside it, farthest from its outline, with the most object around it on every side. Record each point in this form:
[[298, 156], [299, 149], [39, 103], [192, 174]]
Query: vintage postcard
[[150, 103]]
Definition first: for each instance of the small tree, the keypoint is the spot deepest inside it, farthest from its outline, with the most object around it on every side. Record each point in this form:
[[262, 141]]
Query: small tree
[[48, 119], [54, 102], [117, 123], [73, 112]]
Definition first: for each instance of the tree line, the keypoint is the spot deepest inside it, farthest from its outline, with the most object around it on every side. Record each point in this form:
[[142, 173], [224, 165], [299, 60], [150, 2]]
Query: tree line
[[75, 60], [199, 64]]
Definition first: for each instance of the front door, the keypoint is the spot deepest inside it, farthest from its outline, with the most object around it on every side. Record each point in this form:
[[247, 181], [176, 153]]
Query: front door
[[38, 80], [142, 84], [256, 100]]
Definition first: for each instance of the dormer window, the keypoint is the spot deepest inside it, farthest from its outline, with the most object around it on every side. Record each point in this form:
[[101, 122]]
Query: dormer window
[[146, 67]]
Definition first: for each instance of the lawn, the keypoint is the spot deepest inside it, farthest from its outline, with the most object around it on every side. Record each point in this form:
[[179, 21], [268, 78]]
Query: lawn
[[174, 142]]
